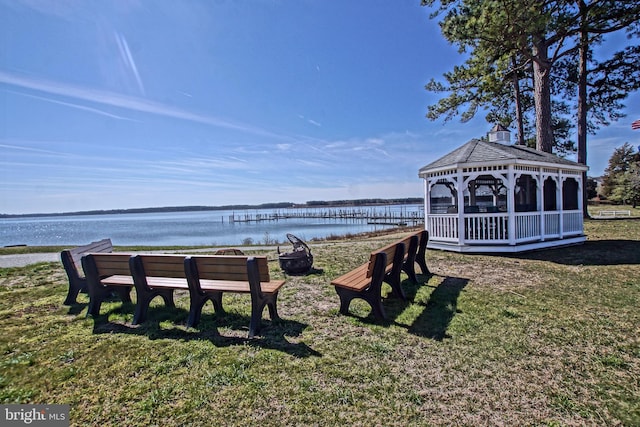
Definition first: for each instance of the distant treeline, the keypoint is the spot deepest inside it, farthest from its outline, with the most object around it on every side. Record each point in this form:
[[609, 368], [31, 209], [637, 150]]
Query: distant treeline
[[279, 205], [365, 202]]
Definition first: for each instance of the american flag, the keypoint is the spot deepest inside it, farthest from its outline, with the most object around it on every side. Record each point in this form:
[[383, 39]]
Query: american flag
[[635, 125]]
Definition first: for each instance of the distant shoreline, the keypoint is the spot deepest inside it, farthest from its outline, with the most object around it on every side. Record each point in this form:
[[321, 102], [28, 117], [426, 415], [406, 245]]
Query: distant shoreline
[[277, 205]]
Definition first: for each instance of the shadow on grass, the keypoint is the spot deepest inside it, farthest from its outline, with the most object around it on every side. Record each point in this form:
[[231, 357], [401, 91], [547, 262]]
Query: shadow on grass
[[597, 252], [273, 334], [77, 308], [312, 272], [437, 312], [439, 309]]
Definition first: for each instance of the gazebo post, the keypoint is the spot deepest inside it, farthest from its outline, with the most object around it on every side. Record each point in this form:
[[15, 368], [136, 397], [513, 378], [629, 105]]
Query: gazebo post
[[540, 197], [427, 199], [560, 202], [511, 205], [581, 206], [459, 187]]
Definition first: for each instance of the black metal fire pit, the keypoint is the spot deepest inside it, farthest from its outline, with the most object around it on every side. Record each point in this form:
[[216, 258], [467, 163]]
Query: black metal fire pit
[[298, 261]]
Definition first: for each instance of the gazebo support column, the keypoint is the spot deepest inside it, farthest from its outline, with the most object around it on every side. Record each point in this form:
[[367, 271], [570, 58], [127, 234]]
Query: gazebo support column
[[461, 219], [511, 205], [540, 191], [427, 203], [560, 203]]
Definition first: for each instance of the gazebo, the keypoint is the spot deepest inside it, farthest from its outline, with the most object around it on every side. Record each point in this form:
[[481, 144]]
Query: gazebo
[[491, 196]]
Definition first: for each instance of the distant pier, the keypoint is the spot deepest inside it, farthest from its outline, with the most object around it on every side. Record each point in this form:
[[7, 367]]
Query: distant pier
[[370, 216]]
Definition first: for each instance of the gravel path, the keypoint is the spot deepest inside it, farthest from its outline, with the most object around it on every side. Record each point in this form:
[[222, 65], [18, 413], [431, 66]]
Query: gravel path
[[20, 260]]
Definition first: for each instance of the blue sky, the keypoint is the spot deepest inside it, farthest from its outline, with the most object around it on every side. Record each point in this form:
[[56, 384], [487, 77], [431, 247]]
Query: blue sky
[[125, 104]]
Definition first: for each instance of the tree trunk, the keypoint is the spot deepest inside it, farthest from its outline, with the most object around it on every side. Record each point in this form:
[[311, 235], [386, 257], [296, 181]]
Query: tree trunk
[[583, 105], [542, 96], [516, 93]]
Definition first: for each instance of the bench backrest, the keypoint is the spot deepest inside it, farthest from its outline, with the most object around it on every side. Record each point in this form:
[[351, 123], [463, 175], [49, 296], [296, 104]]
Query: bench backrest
[[389, 251], [254, 270], [407, 244], [97, 266], [72, 258], [229, 267], [166, 266], [158, 265]]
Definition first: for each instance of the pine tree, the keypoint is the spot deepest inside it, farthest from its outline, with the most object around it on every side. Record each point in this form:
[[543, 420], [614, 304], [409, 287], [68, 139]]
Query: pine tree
[[547, 38], [621, 181]]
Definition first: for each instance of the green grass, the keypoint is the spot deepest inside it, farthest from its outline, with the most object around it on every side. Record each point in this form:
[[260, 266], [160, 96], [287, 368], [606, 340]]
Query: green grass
[[544, 338]]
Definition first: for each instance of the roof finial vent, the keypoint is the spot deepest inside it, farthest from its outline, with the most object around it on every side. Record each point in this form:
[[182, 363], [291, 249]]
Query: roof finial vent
[[500, 134]]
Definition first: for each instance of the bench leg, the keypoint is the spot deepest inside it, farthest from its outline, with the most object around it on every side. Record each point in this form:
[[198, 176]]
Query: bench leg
[[98, 294], [75, 288], [373, 298], [410, 269], [197, 304], [257, 307], [421, 255], [273, 308], [124, 293], [423, 266], [144, 299], [95, 301], [396, 286], [256, 317]]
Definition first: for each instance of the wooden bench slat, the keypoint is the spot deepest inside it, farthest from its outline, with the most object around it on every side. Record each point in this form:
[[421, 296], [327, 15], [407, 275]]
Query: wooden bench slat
[[117, 280], [238, 287], [167, 266], [168, 282], [355, 279], [229, 267], [114, 263]]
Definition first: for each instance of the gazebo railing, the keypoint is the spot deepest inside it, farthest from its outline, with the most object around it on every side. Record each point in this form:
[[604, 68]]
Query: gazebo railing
[[572, 222], [493, 228], [485, 228], [527, 226], [551, 225], [444, 227]]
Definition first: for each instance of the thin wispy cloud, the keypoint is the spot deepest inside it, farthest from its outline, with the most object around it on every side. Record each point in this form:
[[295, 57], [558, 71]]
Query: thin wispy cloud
[[23, 148], [72, 105], [127, 59], [311, 121], [129, 102]]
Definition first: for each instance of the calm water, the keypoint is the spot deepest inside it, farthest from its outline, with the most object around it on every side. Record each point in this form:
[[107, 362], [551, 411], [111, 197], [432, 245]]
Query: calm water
[[182, 228]]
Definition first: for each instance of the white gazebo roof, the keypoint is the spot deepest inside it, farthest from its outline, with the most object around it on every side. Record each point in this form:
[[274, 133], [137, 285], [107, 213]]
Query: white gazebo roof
[[483, 152]]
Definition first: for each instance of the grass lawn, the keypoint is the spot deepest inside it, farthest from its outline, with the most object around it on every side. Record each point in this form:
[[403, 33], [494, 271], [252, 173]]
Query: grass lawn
[[543, 338]]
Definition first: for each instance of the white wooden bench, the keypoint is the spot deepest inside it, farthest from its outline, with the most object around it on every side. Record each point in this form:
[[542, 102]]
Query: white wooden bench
[[614, 213]]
